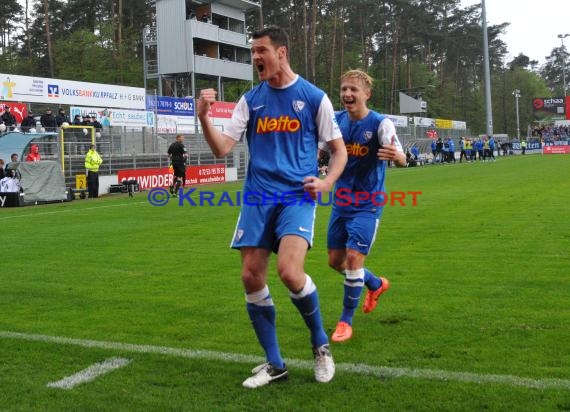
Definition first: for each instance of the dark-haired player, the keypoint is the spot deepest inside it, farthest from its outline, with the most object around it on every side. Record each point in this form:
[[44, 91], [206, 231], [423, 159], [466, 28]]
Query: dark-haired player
[[283, 119]]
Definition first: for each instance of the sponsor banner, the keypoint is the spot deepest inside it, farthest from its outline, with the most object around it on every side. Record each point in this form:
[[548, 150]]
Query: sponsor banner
[[18, 110], [443, 124], [529, 146], [424, 121], [557, 143], [174, 124], [556, 149], [116, 117], [162, 177], [458, 125], [223, 110], [56, 91], [399, 121], [549, 108], [170, 106]]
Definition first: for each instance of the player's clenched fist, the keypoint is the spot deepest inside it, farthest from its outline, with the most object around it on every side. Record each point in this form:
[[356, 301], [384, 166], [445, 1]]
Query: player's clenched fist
[[206, 99]]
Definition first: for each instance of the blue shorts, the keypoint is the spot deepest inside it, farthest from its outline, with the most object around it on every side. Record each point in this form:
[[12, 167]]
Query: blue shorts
[[356, 232], [263, 226]]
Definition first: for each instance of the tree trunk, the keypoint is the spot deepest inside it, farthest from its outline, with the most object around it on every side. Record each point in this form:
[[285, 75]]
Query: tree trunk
[[312, 42], [305, 40], [333, 51], [28, 43], [48, 38], [120, 40]]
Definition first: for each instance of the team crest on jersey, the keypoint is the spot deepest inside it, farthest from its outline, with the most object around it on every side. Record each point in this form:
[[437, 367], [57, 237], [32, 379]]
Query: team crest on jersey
[[298, 105], [368, 135], [239, 234]]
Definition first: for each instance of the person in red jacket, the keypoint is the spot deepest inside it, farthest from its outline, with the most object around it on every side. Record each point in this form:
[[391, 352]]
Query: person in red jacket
[[34, 155]]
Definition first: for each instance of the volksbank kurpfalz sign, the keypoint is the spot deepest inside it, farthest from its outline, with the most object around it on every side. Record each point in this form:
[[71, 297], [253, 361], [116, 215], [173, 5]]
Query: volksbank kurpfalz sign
[[56, 91], [170, 106]]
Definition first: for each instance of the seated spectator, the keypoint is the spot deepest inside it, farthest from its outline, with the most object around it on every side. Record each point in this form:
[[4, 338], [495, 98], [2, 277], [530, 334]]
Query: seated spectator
[[34, 155]]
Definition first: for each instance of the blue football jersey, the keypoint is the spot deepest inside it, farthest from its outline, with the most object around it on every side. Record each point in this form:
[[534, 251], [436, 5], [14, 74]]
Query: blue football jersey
[[283, 128], [364, 173]]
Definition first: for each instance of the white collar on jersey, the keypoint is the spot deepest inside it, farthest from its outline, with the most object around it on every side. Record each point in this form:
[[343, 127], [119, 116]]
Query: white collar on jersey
[[287, 85]]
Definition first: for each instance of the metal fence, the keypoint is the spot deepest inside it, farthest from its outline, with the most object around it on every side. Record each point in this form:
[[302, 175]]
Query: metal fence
[[125, 148]]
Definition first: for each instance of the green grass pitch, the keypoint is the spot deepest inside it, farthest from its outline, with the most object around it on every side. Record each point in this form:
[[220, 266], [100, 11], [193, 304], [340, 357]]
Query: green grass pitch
[[480, 284]]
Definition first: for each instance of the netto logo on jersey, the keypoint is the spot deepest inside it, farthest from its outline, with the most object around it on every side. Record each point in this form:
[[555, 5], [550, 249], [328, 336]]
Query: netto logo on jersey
[[282, 124], [356, 149]]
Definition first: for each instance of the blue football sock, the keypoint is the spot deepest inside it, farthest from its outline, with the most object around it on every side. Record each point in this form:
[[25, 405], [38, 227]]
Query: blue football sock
[[262, 314], [371, 281], [307, 302], [353, 283]]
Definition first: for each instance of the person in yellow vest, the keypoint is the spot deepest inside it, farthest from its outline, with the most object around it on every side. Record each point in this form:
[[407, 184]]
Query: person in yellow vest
[[523, 146], [92, 162]]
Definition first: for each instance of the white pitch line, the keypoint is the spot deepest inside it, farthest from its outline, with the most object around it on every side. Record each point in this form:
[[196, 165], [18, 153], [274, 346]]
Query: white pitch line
[[53, 212], [356, 369], [90, 373]]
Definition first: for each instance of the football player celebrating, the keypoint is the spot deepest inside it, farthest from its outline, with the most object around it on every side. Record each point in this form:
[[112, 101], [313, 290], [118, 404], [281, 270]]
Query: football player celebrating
[[283, 119], [371, 142]]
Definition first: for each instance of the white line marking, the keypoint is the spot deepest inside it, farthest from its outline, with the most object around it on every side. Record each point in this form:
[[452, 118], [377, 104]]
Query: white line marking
[[90, 373], [352, 368], [53, 212]]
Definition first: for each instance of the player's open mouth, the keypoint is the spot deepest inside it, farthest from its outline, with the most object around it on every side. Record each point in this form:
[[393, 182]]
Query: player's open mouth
[[349, 101], [260, 68]]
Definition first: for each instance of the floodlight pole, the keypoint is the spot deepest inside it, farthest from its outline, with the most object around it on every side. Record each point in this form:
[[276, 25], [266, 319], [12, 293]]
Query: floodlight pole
[[487, 72], [562, 37], [517, 94]]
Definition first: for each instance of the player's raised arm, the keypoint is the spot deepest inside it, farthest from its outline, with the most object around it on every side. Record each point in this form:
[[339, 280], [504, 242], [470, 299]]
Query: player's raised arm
[[220, 143]]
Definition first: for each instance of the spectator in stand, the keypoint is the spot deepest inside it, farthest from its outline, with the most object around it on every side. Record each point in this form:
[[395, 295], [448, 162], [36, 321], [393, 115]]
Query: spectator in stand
[[34, 154], [7, 118], [29, 122], [433, 149], [2, 174], [91, 120], [48, 121], [77, 120], [61, 117]]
